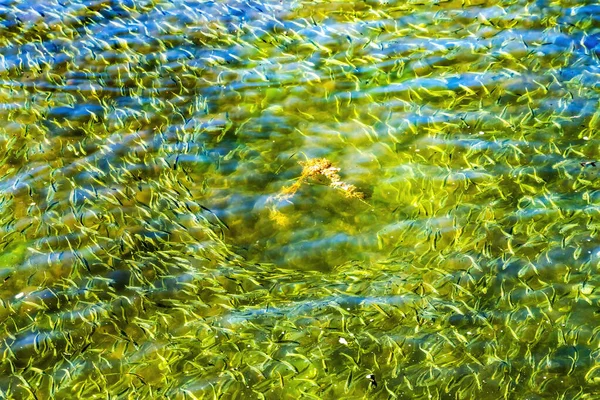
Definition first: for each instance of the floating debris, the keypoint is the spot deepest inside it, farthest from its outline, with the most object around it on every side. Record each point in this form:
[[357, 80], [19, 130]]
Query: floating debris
[[314, 168], [372, 380]]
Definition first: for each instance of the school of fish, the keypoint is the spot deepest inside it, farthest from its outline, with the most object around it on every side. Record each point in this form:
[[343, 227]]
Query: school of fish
[[242, 199]]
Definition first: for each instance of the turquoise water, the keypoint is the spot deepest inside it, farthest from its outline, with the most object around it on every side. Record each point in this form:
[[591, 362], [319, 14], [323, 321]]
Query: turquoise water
[[307, 199]]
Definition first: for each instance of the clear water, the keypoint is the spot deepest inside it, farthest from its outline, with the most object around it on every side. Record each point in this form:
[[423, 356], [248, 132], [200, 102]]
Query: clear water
[[152, 246]]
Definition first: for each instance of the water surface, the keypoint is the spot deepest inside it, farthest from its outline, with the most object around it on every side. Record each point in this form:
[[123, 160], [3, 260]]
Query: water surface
[[152, 246]]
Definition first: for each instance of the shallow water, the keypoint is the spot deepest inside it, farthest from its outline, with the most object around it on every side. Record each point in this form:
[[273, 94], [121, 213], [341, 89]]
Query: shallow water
[[163, 238]]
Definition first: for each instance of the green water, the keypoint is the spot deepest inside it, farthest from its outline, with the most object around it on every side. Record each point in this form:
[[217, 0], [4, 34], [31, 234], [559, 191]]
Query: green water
[[151, 246]]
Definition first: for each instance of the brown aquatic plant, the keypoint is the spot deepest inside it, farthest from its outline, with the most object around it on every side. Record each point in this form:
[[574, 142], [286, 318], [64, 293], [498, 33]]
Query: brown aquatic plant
[[315, 167]]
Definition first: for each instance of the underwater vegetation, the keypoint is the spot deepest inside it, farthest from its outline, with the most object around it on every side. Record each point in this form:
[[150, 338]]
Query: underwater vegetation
[[313, 168], [299, 199]]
